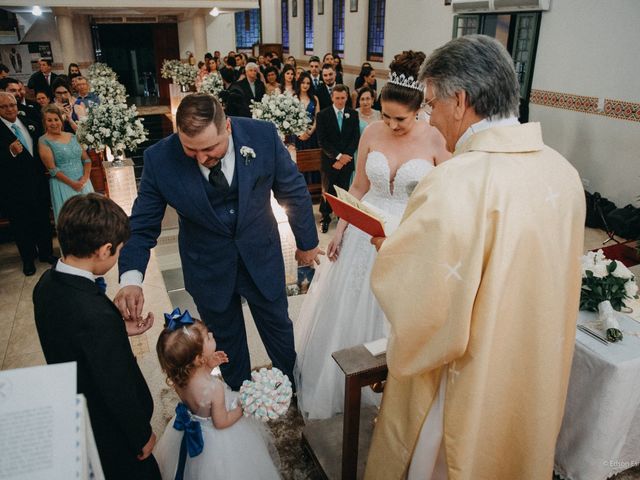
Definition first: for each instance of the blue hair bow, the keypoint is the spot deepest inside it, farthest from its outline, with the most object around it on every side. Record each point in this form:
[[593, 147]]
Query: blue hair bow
[[192, 441], [175, 319]]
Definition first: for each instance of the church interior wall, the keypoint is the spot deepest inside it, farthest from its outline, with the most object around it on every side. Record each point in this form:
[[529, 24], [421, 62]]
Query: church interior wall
[[587, 53]]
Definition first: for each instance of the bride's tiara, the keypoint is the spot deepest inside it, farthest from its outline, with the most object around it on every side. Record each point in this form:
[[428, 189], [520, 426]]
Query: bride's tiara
[[406, 82]]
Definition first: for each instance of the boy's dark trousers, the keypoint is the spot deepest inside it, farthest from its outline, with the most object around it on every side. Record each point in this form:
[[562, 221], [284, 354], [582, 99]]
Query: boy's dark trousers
[[76, 322]]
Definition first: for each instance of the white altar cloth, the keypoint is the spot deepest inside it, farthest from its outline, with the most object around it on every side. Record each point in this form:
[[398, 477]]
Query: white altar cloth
[[600, 434]]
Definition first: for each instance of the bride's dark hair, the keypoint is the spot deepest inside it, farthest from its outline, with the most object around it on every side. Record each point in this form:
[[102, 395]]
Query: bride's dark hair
[[407, 63]]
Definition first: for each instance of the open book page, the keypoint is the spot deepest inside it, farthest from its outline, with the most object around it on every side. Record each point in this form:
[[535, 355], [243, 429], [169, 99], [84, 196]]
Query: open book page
[[38, 423], [346, 197]]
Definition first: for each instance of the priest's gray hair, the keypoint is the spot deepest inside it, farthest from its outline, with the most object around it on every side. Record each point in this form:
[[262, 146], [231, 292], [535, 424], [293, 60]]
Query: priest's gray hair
[[480, 66]]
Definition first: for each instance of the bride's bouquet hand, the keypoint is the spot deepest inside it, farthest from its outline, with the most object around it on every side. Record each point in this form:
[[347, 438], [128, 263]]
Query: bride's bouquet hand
[[333, 249]]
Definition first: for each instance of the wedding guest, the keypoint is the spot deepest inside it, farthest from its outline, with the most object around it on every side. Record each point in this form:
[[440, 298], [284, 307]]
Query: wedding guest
[[291, 61], [271, 81], [85, 98], [43, 79], [338, 136], [478, 375], [78, 323], [314, 71], [359, 82], [324, 90], [299, 71], [68, 164], [73, 69], [4, 71], [366, 113], [287, 80], [337, 65], [369, 76], [304, 92], [42, 99], [25, 107], [67, 103], [250, 88], [24, 195]]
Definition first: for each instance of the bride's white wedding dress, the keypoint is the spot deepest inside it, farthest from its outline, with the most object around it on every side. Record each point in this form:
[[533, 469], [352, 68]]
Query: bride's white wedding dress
[[340, 311]]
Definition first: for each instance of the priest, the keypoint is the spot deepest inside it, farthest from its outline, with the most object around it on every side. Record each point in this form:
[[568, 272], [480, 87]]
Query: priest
[[480, 284]]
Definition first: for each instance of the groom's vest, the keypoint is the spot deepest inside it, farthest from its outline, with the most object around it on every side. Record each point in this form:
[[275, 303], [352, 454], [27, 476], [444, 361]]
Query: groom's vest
[[225, 206]]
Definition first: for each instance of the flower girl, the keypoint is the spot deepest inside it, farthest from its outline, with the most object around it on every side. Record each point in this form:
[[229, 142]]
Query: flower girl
[[208, 437]]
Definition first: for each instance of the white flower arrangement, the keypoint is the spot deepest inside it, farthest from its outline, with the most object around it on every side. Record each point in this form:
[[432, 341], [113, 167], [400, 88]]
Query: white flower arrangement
[[284, 110], [248, 153], [267, 396], [180, 73], [606, 285], [101, 70], [212, 84], [113, 125], [104, 83]]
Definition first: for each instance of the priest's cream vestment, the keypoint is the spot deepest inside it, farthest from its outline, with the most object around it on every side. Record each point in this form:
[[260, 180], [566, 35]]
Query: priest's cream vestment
[[481, 281]]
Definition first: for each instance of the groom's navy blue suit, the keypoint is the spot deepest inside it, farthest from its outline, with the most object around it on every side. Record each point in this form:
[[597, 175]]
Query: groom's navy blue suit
[[229, 243]]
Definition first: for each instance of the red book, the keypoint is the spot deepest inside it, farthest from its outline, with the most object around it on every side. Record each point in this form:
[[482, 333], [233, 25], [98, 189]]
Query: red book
[[356, 217]]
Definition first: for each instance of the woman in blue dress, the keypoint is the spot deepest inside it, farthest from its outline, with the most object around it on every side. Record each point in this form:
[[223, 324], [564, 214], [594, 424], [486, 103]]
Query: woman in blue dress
[[68, 163], [305, 94]]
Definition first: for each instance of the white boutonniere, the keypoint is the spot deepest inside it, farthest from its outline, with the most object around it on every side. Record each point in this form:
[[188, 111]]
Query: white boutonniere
[[21, 113], [346, 115], [31, 128], [248, 153]]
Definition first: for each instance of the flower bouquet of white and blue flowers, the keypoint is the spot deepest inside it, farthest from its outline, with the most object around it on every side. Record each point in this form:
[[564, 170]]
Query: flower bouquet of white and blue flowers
[[285, 111]]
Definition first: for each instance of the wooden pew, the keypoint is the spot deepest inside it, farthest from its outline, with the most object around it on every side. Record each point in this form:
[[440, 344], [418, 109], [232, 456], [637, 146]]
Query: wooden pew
[[309, 161]]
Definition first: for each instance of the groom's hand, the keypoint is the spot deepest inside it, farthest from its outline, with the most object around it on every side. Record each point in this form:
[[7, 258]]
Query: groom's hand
[[130, 301], [309, 257]]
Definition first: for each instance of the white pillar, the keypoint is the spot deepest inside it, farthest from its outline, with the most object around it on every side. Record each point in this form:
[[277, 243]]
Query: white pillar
[[199, 36], [270, 14], [67, 42]]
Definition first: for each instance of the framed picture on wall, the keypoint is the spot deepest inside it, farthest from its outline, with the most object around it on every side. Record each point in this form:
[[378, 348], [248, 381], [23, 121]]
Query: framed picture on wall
[[320, 7], [353, 5], [294, 8]]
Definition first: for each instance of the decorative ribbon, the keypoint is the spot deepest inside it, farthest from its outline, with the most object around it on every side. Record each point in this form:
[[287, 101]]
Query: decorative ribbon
[[192, 441], [175, 319]]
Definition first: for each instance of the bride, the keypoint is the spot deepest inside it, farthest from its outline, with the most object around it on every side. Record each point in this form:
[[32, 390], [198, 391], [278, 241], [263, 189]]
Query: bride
[[340, 310]]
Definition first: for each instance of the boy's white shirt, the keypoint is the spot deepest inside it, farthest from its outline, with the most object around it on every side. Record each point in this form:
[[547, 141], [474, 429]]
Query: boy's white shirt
[[64, 268]]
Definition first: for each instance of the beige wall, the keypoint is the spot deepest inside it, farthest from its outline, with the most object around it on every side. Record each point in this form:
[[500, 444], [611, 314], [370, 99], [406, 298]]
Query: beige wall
[[589, 48]]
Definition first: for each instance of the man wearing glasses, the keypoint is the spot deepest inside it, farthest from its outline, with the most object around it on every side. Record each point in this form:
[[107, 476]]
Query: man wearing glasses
[[24, 193]]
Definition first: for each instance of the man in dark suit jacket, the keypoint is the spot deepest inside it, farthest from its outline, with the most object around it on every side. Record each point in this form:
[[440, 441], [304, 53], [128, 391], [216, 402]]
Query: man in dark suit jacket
[[324, 90], [251, 88], [25, 107], [43, 80], [218, 174], [338, 136], [24, 190], [77, 322]]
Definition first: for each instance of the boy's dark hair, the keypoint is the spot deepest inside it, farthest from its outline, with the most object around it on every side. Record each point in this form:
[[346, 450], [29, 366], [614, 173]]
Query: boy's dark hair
[[87, 222]]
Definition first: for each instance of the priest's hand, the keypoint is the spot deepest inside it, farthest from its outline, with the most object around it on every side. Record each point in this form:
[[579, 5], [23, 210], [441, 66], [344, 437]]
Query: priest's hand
[[377, 242], [130, 301], [309, 257]]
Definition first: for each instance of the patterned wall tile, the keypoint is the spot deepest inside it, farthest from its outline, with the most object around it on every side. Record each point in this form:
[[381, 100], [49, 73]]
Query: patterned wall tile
[[612, 108]]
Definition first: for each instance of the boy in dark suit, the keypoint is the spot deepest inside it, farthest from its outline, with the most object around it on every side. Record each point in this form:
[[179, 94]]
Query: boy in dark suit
[[338, 136], [76, 322]]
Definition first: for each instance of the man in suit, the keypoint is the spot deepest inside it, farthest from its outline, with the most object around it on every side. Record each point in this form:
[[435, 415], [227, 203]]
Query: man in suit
[[24, 191], [251, 88], [218, 173], [25, 107], [43, 80], [338, 136], [314, 71], [324, 90]]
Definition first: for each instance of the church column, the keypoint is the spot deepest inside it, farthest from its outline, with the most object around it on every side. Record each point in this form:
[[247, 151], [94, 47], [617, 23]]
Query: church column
[[199, 36], [65, 32], [270, 14]]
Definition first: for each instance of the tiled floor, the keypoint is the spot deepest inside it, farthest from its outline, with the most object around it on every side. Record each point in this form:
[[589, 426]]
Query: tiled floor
[[164, 289]]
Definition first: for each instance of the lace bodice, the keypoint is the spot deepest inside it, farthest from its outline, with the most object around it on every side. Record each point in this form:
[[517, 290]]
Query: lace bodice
[[393, 199]]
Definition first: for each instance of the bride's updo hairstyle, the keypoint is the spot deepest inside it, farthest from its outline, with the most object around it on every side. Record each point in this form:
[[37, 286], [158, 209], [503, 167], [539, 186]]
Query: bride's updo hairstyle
[[408, 64]]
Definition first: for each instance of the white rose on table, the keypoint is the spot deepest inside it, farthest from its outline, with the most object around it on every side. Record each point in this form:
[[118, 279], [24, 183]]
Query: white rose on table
[[599, 271], [621, 271], [631, 288]]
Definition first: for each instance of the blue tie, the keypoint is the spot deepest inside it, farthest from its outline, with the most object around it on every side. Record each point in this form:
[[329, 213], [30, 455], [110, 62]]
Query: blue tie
[[18, 133], [340, 120], [102, 285]]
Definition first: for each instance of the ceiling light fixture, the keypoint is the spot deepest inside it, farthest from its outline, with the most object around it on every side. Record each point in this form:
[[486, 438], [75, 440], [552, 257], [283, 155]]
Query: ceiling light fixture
[[37, 11], [214, 12]]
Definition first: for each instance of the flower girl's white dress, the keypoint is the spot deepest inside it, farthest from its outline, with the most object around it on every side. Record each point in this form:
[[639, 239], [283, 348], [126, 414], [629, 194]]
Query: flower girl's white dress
[[243, 450], [340, 309]]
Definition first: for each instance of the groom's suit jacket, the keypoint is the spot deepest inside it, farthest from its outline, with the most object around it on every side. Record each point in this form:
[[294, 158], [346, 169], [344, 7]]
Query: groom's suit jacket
[[210, 251]]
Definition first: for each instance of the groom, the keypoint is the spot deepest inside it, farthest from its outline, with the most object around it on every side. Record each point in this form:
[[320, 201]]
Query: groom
[[218, 173]]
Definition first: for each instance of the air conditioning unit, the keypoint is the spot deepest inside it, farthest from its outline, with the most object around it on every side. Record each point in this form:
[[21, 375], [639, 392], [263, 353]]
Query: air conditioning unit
[[485, 6]]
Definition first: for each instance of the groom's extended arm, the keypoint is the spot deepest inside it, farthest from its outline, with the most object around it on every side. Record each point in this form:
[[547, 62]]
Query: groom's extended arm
[[291, 191], [146, 222]]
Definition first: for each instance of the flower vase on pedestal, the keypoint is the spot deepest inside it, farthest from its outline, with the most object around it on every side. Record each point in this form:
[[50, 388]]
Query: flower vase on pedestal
[[176, 94], [290, 144], [121, 180]]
